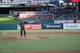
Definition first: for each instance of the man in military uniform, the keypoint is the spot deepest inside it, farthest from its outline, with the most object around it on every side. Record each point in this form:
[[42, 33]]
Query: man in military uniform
[[22, 28]]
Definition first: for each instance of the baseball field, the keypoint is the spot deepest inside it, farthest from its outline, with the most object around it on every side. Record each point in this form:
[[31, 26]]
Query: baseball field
[[40, 41]]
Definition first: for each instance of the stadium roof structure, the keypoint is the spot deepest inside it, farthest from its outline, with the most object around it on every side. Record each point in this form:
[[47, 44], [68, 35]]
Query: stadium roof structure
[[18, 6]]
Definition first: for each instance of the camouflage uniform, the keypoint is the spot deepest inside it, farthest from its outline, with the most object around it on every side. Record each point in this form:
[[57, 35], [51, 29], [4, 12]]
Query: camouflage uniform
[[22, 29]]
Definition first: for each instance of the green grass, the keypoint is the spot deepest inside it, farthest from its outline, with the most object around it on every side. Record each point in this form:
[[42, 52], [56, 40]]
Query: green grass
[[61, 42], [45, 30], [8, 19]]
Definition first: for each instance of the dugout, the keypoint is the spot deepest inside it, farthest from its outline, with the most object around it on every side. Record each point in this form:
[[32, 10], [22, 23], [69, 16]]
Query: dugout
[[4, 11]]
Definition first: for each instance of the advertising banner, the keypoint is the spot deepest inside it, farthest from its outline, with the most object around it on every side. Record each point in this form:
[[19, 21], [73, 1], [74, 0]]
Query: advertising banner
[[33, 26], [52, 26], [71, 26], [75, 0]]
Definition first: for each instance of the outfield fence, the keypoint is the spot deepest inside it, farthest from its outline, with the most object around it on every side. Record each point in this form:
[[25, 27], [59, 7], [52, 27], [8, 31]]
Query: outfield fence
[[40, 26]]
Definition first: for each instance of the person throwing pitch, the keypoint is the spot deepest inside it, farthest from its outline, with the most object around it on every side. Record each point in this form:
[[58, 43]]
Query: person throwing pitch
[[22, 28]]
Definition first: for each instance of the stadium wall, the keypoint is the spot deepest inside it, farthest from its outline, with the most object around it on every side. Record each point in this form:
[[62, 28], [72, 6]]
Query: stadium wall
[[50, 24], [8, 26]]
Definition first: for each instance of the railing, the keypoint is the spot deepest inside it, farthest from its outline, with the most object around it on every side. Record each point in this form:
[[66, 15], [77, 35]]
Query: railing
[[10, 3]]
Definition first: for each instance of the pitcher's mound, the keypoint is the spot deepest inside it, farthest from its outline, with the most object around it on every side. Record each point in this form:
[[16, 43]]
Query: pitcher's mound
[[26, 38]]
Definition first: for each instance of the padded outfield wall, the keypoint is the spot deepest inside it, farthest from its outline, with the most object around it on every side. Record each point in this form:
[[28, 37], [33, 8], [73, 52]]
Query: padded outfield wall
[[45, 25]]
